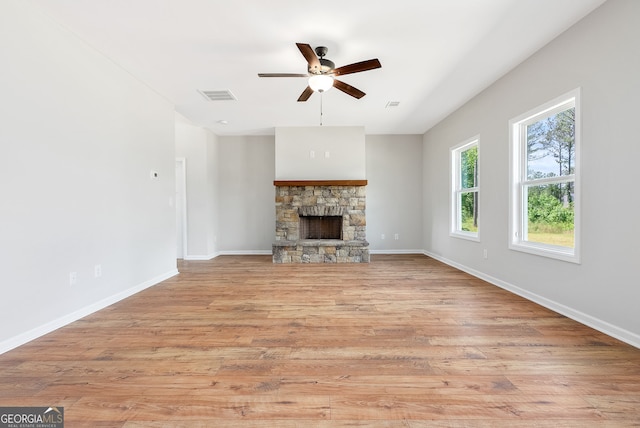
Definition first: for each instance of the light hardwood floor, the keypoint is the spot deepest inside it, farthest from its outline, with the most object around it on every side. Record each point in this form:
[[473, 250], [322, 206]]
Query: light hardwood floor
[[402, 341]]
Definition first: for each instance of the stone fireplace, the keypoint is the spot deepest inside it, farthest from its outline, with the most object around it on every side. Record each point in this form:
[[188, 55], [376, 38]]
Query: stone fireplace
[[320, 222]]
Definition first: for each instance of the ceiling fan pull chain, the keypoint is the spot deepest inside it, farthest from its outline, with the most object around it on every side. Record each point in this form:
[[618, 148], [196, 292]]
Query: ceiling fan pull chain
[[320, 108]]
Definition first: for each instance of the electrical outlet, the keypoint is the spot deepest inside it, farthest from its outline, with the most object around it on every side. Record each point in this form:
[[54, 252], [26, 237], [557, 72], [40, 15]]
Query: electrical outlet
[[382, 236], [485, 253], [73, 278], [396, 236], [97, 271]]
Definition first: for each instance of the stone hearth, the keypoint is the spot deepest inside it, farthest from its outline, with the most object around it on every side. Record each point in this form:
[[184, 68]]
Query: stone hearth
[[346, 199]]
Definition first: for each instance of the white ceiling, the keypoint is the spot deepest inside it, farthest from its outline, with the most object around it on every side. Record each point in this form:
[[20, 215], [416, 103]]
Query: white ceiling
[[435, 54]]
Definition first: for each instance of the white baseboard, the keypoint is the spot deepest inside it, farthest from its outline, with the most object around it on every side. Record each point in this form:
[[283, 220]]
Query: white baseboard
[[245, 253], [396, 251], [201, 256], [228, 253], [586, 319], [37, 332]]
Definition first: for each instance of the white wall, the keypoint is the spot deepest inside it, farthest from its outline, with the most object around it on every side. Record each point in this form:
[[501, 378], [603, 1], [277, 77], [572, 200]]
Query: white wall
[[320, 153], [394, 193], [600, 55], [199, 148], [79, 138]]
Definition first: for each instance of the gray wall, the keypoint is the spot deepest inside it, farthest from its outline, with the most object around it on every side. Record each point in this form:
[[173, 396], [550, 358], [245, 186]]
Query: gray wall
[[246, 195], [394, 193], [243, 195], [600, 55]]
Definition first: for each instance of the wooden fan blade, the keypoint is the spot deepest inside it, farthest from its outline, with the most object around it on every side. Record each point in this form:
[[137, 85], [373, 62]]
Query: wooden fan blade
[[348, 89], [282, 75], [305, 94], [308, 53], [357, 67]]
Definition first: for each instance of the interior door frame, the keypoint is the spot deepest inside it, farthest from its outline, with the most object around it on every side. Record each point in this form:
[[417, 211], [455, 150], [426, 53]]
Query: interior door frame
[[181, 193]]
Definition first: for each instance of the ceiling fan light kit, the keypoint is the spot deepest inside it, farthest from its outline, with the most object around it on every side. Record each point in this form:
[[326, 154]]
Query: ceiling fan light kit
[[322, 72], [321, 82]]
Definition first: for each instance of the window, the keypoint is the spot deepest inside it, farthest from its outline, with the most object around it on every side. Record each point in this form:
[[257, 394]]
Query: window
[[465, 190], [544, 179]]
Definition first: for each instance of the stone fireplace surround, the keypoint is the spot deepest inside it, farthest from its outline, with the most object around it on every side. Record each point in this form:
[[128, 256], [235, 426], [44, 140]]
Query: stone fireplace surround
[[295, 199]]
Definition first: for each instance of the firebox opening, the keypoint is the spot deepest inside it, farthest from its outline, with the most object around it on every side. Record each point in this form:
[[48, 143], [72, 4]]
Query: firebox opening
[[320, 227]]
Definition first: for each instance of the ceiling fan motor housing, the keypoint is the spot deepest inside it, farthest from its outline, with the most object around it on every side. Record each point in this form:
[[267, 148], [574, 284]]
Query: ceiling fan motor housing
[[321, 51], [326, 65]]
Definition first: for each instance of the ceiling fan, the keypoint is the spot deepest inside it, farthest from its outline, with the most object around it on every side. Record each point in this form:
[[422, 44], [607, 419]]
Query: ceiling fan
[[322, 72]]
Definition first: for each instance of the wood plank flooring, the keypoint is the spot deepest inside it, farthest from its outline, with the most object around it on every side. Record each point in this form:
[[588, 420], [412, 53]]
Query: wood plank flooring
[[404, 341]]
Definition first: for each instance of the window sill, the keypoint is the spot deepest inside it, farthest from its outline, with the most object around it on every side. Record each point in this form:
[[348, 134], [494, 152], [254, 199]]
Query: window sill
[[468, 236], [553, 252]]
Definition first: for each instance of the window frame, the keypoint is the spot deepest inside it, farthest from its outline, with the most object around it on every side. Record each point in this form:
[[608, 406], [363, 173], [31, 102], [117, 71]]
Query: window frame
[[455, 215], [518, 221]]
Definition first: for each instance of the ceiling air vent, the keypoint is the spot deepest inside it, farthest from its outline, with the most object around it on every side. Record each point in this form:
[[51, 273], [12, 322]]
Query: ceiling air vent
[[392, 104], [225, 95]]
